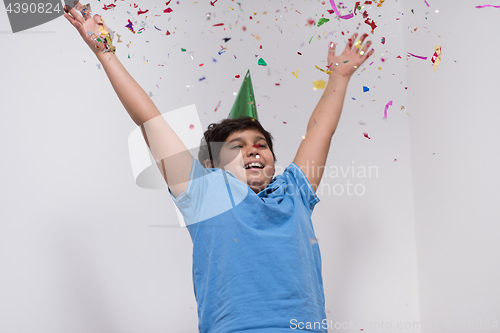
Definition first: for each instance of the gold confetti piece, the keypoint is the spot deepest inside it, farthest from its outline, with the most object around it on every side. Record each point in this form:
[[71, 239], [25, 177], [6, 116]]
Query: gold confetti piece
[[358, 44], [119, 40], [319, 84], [436, 58], [327, 72], [296, 74], [402, 107], [231, 8]]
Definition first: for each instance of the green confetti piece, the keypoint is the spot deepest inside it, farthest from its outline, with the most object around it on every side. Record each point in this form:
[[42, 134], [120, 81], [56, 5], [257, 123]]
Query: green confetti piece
[[183, 50], [262, 62], [322, 21], [129, 56], [346, 61], [311, 39]]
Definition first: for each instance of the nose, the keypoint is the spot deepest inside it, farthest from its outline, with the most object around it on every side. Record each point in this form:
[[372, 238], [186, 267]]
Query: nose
[[254, 149]]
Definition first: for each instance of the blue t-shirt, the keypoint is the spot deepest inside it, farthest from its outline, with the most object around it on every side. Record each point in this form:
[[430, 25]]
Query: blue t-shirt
[[256, 261]]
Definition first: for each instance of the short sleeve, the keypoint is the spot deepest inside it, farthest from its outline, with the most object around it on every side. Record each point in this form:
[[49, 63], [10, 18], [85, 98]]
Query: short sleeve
[[304, 188], [195, 192]]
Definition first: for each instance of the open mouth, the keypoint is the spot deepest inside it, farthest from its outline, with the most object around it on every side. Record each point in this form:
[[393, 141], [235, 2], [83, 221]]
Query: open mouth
[[254, 166]]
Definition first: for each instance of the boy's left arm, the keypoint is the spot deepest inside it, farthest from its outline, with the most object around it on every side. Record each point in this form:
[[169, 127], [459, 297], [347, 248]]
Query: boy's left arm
[[313, 150]]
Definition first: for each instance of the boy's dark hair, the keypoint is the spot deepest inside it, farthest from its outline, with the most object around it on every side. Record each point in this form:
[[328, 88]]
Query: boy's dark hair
[[221, 131]]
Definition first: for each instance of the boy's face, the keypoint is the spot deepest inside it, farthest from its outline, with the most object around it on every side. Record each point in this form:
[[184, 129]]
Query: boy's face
[[243, 147]]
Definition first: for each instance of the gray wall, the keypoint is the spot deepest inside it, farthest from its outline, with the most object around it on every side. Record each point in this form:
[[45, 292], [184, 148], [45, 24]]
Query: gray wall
[[84, 249]]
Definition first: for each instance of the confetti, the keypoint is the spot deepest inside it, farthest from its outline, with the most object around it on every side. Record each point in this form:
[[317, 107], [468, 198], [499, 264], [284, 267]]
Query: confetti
[[130, 26], [203, 78], [383, 40], [183, 50], [380, 4], [487, 6], [345, 17], [426, 3], [168, 10], [218, 24], [106, 7], [387, 107], [296, 74], [416, 56], [371, 24], [319, 84], [217, 106], [436, 58], [262, 62], [142, 12], [322, 21], [366, 135], [327, 72], [365, 89]]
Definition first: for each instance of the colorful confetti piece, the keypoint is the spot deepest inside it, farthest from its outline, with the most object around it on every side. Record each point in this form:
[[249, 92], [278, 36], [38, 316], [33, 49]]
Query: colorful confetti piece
[[387, 107], [327, 72], [483, 6], [436, 58], [416, 56], [296, 74], [322, 21], [366, 135], [365, 89], [334, 6], [262, 62], [319, 84]]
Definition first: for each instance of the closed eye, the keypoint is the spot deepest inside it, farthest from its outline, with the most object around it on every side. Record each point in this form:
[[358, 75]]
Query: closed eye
[[262, 146]]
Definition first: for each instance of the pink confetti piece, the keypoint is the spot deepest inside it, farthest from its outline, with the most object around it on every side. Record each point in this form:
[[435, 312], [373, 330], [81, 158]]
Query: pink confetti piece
[[426, 3], [387, 107], [217, 106], [487, 6], [345, 17], [416, 56]]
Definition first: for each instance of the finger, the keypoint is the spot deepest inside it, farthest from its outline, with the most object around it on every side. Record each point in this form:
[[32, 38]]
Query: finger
[[365, 47], [74, 14], [331, 49], [359, 43], [367, 55], [351, 40], [86, 12]]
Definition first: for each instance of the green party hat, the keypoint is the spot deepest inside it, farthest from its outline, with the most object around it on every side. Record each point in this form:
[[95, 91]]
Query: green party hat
[[244, 105]]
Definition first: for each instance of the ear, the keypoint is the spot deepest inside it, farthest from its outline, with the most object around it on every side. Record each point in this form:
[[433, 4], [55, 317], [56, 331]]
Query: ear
[[208, 164]]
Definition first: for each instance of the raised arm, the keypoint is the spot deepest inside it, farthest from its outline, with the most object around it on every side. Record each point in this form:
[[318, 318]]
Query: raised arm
[[171, 155], [313, 150]]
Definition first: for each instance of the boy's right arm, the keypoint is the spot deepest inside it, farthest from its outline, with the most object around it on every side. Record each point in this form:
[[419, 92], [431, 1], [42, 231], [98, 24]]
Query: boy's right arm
[[171, 155]]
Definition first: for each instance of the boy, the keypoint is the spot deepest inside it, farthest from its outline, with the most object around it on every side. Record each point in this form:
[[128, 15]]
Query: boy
[[256, 261]]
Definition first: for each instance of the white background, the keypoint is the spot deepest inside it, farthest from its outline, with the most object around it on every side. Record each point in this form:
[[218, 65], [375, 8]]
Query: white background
[[83, 249]]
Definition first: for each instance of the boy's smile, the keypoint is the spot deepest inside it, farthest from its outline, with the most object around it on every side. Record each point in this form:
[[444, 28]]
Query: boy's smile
[[243, 148]]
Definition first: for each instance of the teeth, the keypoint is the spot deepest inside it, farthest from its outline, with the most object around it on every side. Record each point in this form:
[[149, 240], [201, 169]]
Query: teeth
[[254, 164]]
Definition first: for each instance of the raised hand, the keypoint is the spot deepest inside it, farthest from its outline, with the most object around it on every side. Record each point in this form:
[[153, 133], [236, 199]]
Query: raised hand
[[351, 58], [92, 29]]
